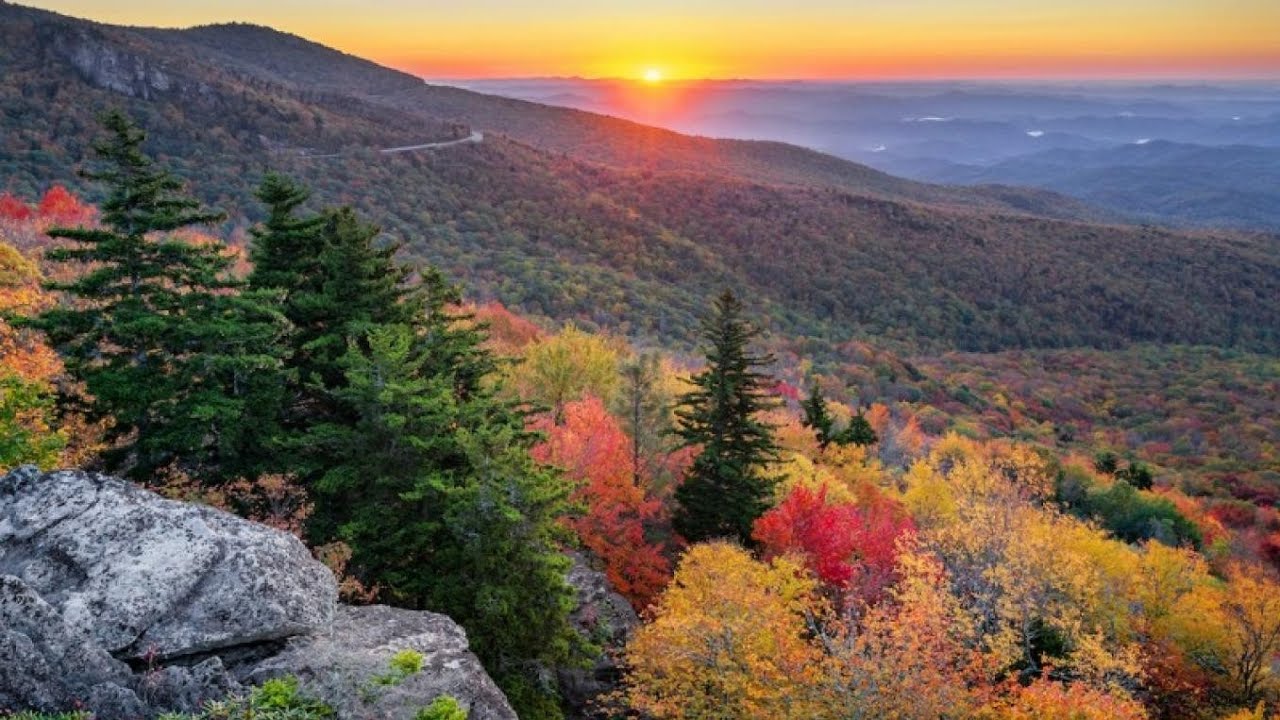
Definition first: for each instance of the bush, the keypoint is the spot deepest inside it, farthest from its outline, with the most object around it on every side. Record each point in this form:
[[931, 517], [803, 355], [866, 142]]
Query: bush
[[276, 699], [1130, 514], [1133, 516], [442, 708]]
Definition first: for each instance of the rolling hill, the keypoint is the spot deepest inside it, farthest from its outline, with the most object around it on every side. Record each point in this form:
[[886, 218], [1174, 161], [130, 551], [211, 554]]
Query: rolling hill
[[568, 215], [1228, 186]]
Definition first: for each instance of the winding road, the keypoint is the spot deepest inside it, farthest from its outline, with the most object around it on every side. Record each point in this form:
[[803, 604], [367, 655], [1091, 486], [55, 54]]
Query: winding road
[[475, 137]]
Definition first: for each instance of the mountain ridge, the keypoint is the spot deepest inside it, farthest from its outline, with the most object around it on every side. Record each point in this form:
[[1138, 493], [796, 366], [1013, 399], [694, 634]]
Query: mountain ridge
[[634, 228]]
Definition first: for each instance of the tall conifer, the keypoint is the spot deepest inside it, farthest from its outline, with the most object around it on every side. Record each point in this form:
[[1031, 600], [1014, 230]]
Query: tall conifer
[[727, 487], [409, 454], [179, 362], [816, 417]]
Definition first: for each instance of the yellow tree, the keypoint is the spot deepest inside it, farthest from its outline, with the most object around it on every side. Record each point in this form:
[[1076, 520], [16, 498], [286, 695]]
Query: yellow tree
[[28, 425], [727, 641], [567, 366], [910, 657], [1251, 607], [1046, 589]]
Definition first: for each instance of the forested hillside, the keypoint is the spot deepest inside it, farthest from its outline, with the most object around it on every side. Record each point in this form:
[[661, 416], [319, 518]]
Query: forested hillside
[[567, 215]]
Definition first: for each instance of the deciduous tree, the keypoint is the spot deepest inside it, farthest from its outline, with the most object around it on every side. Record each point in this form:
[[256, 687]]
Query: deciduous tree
[[597, 457], [728, 641]]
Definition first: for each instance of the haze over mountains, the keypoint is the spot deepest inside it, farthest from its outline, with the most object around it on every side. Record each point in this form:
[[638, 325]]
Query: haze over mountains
[[570, 215], [1182, 153]]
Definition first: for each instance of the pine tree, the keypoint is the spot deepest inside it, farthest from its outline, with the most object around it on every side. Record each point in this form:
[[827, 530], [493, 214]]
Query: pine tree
[[168, 350], [727, 487], [816, 417]]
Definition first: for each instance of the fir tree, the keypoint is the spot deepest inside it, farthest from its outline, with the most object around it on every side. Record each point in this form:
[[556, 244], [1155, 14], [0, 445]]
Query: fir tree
[[727, 487], [335, 284], [180, 363], [410, 456], [434, 490], [859, 432], [816, 417]]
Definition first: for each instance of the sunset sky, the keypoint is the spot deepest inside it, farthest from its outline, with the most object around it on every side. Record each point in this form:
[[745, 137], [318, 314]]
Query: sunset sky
[[853, 39]]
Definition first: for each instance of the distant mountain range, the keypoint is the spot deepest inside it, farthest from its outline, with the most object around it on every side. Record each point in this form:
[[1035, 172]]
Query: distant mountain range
[[1105, 143], [1158, 181], [570, 215]]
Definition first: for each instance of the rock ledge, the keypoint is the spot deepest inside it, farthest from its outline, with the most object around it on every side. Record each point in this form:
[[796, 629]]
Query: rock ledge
[[126, 604]]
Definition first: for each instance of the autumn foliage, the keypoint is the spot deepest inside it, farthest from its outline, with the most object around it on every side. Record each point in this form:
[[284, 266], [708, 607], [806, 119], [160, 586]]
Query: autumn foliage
[[851, 547], [591, 447], [728, 641]]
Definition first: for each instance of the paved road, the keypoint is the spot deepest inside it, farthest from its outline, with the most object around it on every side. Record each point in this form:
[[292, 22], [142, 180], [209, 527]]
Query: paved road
[[475, 137]]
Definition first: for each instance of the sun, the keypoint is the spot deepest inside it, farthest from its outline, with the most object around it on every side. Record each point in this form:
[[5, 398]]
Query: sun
[[652, 75]]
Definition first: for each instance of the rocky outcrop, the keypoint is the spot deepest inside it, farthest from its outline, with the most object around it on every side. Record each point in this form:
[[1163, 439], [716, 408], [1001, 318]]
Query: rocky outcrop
[[336, 665], [151, 578], [117, 600], [606, 619]]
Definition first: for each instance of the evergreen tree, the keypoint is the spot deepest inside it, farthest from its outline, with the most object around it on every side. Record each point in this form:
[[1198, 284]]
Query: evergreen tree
[[434, 490], [410, 456], [335, 284], [182, 364], [816, 416], [727, 487], [859, 432]]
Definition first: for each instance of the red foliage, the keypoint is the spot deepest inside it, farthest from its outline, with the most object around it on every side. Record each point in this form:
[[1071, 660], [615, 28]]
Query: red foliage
[[1233, 513], [853, 548], [59, 206], [787, 390], [1172, 679], [11, 208], [593, 450], [508, 332]]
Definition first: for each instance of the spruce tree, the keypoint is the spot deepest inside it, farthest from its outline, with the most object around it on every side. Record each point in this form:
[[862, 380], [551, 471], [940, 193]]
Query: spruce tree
[[727, 487], [171, 354], [859, 432], [816, 417], [434, 490], [410, 455], [335, 283]]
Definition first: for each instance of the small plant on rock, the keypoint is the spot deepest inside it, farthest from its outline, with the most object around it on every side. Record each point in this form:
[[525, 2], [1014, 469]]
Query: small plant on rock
[[444, 707]]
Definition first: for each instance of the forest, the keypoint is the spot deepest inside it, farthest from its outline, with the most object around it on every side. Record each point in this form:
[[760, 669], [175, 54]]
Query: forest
[[816, 530]]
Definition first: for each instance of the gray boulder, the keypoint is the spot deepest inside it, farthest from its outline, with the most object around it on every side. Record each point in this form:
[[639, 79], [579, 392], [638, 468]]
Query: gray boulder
[[152, 578], [340, 666], [47, 664], [124, 603]]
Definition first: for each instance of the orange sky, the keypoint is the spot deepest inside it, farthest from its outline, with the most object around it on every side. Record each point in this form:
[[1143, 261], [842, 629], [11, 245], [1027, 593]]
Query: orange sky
[[862, 39]]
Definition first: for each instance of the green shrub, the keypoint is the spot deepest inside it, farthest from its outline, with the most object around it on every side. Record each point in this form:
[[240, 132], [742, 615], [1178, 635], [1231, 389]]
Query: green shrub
[[442, 708], [1130, 514], [276, 699], [406, 662]]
